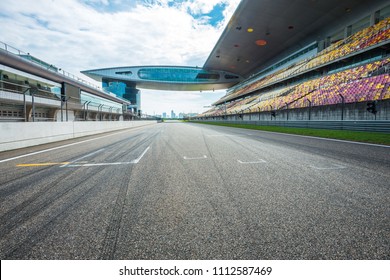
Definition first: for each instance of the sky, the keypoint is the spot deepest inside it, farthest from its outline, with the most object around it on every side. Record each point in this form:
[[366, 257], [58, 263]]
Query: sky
[[77, 35]]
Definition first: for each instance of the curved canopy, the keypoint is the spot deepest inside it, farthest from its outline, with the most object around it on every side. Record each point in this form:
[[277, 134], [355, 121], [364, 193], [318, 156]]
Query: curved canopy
[[167, 77]]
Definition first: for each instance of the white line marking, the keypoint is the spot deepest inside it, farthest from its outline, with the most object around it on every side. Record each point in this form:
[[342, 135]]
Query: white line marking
[[77, 160], [140, 157], [135, 161], [252, 162], [332, 166], [192, 158], [99, 164], [60, 147], [219, 135]]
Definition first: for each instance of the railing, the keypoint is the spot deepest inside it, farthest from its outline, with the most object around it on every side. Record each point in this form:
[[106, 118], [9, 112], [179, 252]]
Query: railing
[[19, 89], [27, 56], [368, 126]]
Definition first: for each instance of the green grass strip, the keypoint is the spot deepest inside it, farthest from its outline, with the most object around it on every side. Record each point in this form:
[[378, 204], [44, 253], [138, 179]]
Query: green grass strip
[[358, 136]]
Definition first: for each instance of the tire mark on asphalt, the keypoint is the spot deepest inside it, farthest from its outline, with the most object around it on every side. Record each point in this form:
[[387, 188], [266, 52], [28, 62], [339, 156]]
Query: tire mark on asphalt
[[134, 199], [8, 188], [241, 212], [12, 186], [40, 202], [112, 233], [22, 247]]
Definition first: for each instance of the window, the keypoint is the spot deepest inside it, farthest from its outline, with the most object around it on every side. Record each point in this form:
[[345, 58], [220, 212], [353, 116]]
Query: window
[[127, 73], [207, 77], [187, 75], [229, 77]]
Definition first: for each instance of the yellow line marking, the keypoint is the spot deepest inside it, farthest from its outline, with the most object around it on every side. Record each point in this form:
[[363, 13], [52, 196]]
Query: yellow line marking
[[41, 164]]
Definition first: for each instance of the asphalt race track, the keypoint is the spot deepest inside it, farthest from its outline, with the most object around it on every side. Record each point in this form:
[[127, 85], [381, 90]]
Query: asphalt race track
[[192, 191]]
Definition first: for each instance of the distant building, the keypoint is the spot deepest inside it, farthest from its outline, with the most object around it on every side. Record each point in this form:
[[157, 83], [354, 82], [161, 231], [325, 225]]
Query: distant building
[[164, 115], [173, 115]]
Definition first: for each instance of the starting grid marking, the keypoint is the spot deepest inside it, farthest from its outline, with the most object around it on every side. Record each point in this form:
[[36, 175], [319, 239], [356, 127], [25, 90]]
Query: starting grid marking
[[251, 162], [79, 163], [98, 164], [331, 166], [194, 158]]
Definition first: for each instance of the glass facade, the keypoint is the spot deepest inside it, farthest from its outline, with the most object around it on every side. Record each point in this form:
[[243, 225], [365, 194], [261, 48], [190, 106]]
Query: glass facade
[[95, 101], [177, 74], [118, 88], [125, 90]]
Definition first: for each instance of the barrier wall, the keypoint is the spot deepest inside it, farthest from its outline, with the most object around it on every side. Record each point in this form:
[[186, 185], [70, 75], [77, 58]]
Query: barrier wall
[[352, 116], [369, 126], [337, 112], [15, 135]]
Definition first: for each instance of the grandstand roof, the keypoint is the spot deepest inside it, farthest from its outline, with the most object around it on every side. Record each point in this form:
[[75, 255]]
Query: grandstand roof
[[261, 32]]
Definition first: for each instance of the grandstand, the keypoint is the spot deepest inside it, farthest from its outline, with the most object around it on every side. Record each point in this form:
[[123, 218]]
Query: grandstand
[[34, 90], [343, 79]]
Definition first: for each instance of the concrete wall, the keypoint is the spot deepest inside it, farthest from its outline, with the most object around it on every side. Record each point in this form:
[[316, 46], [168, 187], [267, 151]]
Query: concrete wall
[[369, 126], [15, 135]]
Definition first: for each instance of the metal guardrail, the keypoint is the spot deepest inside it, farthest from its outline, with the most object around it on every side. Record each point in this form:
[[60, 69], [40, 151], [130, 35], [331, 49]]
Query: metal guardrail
[[369, 126], [27, 56]]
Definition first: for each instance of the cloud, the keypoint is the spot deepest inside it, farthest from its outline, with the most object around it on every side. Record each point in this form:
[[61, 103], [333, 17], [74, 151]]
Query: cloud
[[79, 35], [98, 2], [202, 6]]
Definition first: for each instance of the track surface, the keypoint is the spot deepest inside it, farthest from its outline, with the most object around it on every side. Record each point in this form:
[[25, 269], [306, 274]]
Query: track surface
[[192, 191]]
